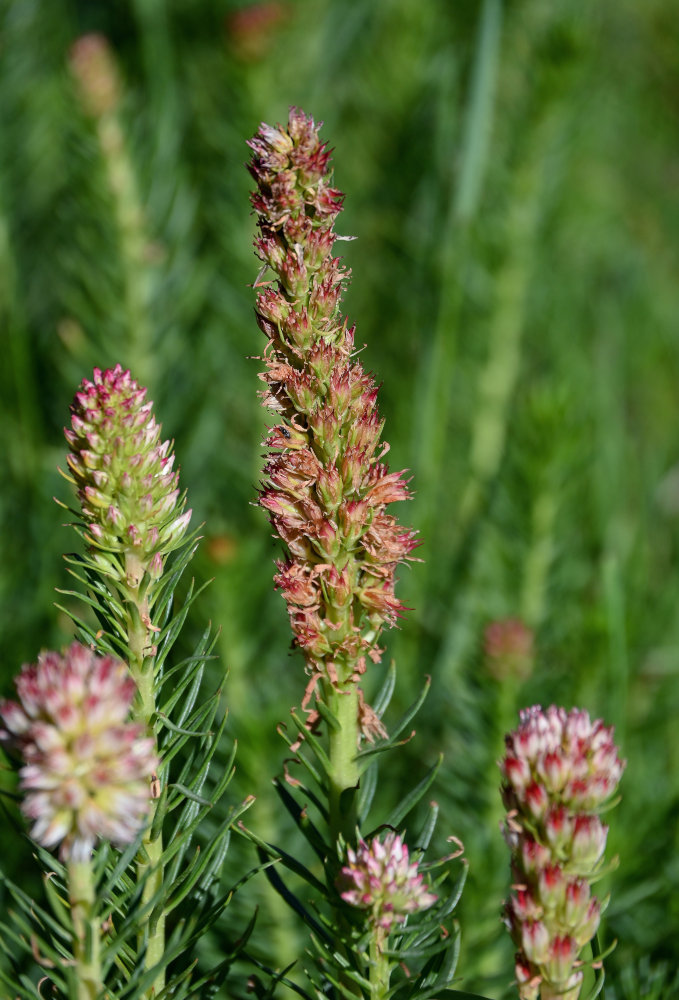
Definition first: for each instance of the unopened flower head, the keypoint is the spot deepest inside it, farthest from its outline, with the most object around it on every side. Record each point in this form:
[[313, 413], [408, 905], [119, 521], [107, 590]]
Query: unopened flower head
[[381, 878], [127, 488], [559, 769], [87, 769], [508, 644], [326, 487], [92, 64]]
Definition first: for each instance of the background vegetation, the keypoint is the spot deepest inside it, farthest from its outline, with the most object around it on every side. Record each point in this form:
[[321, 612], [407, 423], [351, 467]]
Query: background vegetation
[[511, 173]]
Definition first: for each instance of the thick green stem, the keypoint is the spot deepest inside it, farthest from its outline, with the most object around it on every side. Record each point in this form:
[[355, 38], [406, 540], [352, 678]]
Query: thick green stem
[[380, 970], [343, 744], [86, 930], [149, 864]]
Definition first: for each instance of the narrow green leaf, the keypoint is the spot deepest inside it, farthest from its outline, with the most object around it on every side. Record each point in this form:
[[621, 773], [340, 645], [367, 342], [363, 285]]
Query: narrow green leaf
[[479, 112], [302, 821], [331, 719], [397, 815], [312, 742], [384, 695], [289, 896], [366, 792], [299, 757], [190, 795]]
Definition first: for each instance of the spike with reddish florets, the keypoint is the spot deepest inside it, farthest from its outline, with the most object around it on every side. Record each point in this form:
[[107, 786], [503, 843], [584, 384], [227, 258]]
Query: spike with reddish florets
[[559, 769], [325, 487]]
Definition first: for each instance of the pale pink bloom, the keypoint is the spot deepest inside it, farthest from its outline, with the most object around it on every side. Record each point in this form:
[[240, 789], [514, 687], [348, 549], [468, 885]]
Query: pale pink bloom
[[380, 877], [87, 770]]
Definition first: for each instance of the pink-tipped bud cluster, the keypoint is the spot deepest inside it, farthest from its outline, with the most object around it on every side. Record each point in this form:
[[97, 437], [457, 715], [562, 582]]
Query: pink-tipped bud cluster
[[381, 878], [92, 64], [509, 647], [87, 770], [558, 771], [326, 487], [123, 472]]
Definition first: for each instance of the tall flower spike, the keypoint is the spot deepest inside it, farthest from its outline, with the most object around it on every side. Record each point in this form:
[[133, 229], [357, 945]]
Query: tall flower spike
[[87, 770], [326, 487], [381, 878], [559, 769], [126, 485]]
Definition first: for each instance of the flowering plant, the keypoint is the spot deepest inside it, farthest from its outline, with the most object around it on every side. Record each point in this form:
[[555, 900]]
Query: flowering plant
[[123, 762]]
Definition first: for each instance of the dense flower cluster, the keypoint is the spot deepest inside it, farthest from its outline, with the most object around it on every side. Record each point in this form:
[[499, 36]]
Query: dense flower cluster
[[87, 770], [326, 487], [381, 878], [559, 769], [126, 486]]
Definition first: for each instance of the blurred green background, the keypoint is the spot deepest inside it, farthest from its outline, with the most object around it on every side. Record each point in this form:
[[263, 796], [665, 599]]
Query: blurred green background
[[511, 173]]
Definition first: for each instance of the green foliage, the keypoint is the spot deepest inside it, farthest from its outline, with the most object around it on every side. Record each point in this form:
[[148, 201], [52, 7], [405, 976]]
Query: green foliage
[[510, 170]]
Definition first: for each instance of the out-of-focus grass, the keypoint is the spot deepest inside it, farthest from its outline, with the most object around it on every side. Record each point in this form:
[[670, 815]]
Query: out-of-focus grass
[[510, 171]]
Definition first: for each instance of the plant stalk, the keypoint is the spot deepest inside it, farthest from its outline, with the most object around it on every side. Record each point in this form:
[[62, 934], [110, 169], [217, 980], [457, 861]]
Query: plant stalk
[[380, 971], [86, 930], [149, 863], [343, 744]]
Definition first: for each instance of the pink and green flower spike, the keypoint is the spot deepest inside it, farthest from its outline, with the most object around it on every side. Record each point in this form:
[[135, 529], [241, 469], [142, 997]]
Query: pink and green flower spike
[[326, 486], [381, 879], [559, 770]]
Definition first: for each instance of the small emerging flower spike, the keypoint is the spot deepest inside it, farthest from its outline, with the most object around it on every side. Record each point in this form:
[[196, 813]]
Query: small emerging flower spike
[[326, 487], [87, 769], [558, 771], [381, 879], [123, 472]]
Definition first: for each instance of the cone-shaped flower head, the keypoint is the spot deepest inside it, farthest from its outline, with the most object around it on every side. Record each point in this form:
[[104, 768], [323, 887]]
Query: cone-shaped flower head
[[559, 769], [87, 770], [326, 488], [92, 64], [127, 489], [381, 878]]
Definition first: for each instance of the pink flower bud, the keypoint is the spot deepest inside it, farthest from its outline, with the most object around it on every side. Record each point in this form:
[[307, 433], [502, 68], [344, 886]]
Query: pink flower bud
[[380, 877], [128, 494]]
